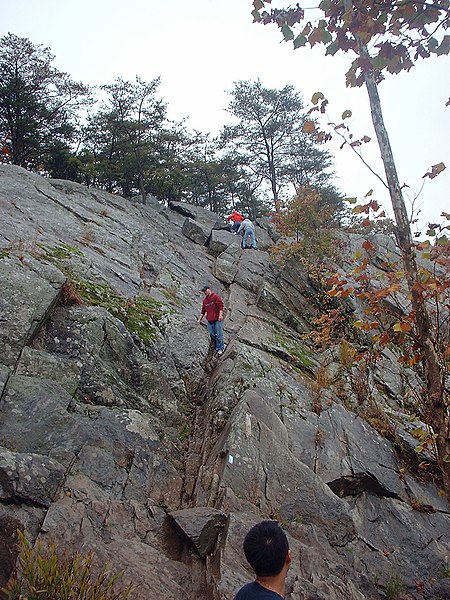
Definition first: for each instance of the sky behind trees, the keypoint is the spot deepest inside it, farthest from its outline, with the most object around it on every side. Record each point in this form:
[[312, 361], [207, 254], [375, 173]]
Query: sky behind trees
[[200, 47]]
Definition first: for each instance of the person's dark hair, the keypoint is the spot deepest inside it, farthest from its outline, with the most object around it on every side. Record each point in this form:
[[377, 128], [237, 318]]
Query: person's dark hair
[[265, 548]]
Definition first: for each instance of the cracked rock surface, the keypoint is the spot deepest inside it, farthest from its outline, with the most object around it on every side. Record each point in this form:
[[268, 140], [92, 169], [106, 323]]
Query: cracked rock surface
[[159, 457]]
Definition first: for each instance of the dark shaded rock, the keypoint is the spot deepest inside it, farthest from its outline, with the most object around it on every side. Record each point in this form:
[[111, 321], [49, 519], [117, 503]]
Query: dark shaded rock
[[264, 240], [36, 363], [35, 293], [29, 478], [4, 374], [8, 545], [220, 241], [195, 231], [252, 271], [225, 268], [201, 525], [266, 224]]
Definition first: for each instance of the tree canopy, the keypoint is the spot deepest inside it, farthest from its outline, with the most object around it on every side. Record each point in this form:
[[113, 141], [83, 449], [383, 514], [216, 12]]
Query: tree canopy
[[117, 136], [38, 104], [397, 33], [270, 142]]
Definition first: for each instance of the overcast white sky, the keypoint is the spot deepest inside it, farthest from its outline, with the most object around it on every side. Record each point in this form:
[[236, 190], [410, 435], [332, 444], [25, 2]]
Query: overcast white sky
[[200, 47]]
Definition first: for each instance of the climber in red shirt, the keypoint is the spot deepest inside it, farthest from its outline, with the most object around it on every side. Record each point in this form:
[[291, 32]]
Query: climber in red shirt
[[235, 218], [212, 307]]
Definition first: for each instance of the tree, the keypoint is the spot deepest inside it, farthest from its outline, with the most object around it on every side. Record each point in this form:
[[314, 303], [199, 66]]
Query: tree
[[38, 104], [307, 218], [123, 134], [269, 137], [169, 180], [397, 33]]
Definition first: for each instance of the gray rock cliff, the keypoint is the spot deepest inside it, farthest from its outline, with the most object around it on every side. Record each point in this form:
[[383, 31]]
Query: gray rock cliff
[[121, 433]]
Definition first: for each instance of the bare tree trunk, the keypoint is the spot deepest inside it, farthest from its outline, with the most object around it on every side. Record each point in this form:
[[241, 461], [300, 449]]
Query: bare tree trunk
[[141, 178], [435, 401]]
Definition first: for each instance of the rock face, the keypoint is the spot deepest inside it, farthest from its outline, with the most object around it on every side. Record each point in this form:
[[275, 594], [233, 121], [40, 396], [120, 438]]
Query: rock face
[[121, 433]]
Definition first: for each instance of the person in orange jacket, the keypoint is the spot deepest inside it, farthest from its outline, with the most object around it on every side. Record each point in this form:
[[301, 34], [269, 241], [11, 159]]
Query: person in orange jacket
[[235, 219]]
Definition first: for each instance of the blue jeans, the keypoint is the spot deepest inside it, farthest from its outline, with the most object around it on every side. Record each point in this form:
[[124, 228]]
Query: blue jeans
[[249, 233], [216, 332]]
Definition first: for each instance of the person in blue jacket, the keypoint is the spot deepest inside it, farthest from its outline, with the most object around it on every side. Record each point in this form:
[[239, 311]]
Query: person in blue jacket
[[266, 549]]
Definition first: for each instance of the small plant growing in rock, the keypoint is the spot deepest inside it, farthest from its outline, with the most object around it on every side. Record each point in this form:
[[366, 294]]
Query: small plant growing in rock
[[328, 327], [88, 236], [395, 588], [171, 293], [347, 354], [375, 416], [361, 384], [319, 438], [45, 574], [70, 295], [316, 406], [421, 506], [322, 382], [185, 431]]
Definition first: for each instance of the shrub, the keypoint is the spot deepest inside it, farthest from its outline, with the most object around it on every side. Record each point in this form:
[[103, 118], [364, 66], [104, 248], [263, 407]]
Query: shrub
[[44, 575], [394, 588]]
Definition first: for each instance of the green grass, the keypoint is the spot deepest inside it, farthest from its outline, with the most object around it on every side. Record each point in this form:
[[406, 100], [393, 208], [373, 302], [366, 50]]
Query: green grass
[[140, 315], [302, 356], [47, 575], [59, 252], [394, 588]]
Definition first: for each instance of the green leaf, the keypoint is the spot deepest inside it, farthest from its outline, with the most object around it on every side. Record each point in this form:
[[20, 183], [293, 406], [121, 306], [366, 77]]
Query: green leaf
[[316, 97], [442, 241], [256, 16], [431, 232], [332, 48], [287, 32], [351, 200], [444, 47], [378, 62], [326, 37], [258, 4], [346, 114], [432, 44], [300, 41], [325, 5]]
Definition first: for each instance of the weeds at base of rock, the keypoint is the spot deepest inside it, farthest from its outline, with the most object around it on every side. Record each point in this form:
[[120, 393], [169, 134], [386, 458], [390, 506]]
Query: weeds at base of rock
[[47, 574], [377, 418], [70, 296], [395, 588], [421, 506]]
